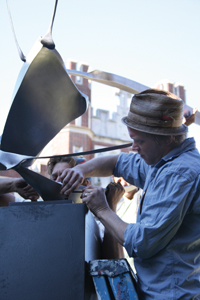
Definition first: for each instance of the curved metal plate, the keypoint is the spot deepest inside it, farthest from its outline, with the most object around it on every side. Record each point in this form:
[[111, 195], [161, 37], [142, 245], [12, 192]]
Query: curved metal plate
[[44, 103]]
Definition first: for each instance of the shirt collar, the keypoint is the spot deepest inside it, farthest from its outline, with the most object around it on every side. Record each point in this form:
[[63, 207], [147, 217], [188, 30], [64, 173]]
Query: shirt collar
[[186, 145]]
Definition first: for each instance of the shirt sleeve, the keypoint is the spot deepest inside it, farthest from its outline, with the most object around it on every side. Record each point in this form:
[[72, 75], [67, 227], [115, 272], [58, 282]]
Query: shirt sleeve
[[132, 168], [165, 205]]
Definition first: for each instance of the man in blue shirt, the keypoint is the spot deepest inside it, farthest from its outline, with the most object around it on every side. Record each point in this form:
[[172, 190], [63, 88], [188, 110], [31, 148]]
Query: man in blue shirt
[[165, 240]]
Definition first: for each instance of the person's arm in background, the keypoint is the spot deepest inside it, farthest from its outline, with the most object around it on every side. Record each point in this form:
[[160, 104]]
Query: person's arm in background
[[5, 199], [97, 167], [110, 247], [18, 185], [190, 119]]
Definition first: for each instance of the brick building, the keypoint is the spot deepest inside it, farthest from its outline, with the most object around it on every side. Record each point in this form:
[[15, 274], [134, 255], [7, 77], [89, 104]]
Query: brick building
[[175, 88]]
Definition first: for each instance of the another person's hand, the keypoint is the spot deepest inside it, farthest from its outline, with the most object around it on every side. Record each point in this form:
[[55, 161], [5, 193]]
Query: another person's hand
[[25, 190], [191, 118], [71, 179], [114, 192], [95, 199]]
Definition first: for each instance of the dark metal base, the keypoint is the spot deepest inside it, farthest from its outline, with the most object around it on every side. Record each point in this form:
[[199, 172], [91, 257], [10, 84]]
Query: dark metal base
[[43, 251]]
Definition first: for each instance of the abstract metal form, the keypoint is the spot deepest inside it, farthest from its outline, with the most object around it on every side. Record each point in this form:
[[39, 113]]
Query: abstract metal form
[[45, 99]]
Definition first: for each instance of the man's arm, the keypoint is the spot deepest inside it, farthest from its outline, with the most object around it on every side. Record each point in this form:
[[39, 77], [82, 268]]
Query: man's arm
[[18, 185], [5, 199], [110, 247], [101, 167], [7, 185], [95, 199]]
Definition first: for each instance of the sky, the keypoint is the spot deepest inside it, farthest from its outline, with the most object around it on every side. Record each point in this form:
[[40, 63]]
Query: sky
[[146, 41]]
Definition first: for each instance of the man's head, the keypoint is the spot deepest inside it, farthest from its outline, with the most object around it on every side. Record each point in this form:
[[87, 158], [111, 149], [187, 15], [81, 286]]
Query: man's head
[[155, 124], [56, 165], [156, 112]]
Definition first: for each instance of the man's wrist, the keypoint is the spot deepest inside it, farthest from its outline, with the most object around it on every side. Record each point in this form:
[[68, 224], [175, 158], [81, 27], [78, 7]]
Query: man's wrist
[[113, 207], [104, 213], [13, 185]]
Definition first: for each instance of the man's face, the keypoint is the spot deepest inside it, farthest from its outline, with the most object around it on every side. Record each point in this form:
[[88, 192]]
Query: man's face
[[146, 146], [58, 169]]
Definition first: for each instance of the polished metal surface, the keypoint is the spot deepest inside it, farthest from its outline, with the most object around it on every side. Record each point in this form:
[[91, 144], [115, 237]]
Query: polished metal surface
[[110, 79]]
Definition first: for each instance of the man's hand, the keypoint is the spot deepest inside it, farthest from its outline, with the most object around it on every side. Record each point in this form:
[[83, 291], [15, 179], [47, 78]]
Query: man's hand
[[114, 192], [191, 118], [95, 199], [25, 190], [71, 179]]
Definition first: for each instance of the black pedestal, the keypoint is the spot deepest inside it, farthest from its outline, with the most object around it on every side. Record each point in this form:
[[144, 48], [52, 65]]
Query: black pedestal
[[42, 250]]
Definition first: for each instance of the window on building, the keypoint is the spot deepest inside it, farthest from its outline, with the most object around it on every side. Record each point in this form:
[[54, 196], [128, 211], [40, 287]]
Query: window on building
[[176, 91], [162, 86], [78, 121], [77, 149], [79, 80]]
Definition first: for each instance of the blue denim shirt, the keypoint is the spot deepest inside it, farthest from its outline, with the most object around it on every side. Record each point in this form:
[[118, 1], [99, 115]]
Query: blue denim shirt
[[165, 241]]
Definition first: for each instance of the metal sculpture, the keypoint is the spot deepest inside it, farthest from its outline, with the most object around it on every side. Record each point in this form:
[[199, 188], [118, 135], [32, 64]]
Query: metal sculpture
[[45, 100]]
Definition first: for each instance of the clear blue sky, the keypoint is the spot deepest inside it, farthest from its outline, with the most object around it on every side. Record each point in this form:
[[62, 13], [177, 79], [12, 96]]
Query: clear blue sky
[[146, 40]]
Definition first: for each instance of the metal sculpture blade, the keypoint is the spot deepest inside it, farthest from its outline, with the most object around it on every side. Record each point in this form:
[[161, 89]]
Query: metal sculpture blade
[[45, 99]]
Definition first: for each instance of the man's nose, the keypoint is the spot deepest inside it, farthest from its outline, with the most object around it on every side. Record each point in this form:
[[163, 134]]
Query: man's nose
[[135, 147]]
